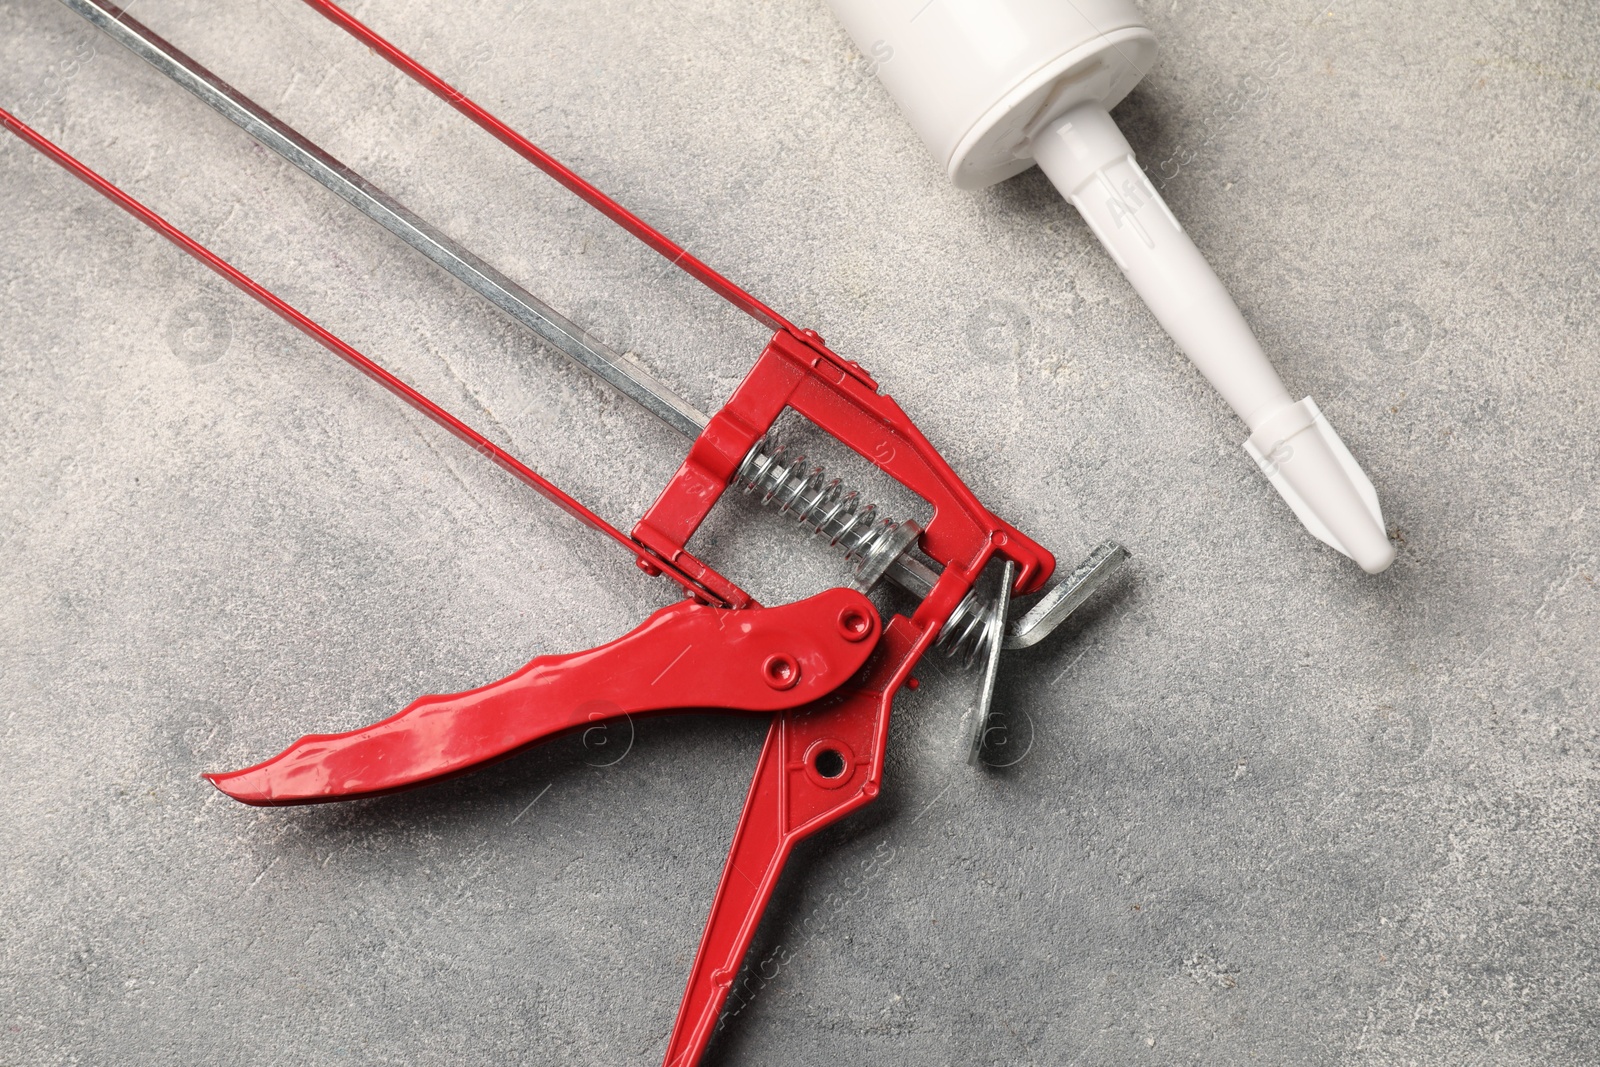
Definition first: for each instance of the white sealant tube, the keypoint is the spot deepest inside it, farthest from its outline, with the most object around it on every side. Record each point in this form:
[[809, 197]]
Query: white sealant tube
[[994, 86], [1088, 160]]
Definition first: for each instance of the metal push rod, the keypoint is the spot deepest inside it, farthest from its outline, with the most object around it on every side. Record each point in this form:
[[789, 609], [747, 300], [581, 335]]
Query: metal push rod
[[570, 339], [767, 476], [826, 507]]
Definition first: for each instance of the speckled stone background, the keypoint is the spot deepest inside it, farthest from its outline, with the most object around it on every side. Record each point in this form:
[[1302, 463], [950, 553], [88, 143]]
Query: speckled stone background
[[1263, 809]]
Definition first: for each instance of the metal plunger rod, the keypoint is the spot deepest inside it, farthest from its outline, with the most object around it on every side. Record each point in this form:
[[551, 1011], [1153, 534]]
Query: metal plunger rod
[[570, 339]]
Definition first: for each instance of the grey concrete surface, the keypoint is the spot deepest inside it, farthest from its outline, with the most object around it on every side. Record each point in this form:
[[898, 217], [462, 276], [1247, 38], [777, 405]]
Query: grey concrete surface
[[1273, 811]]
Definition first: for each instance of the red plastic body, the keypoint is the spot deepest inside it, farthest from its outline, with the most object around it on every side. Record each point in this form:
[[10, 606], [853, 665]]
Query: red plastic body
[[789, 800], [686, 655], [797, 371], [829, 685]]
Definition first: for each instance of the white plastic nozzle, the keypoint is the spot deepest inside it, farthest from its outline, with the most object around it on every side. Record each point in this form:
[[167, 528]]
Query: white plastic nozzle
[[996, 85], [1304, 459], [1088, 160]]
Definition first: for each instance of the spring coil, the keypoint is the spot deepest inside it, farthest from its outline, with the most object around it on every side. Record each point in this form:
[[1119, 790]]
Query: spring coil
[[779, 477], [973, 629]]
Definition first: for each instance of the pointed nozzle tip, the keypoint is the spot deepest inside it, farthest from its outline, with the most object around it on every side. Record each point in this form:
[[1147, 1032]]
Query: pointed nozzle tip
[[1306, 461], [1375, 559]]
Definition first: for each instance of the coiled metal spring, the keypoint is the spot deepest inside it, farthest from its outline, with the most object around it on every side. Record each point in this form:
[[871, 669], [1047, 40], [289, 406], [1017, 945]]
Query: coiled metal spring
[[779, 476], [973, 628]]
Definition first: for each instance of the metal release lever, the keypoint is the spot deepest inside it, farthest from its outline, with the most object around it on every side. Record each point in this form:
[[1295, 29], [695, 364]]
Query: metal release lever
[[1041, 619], [1053, 608]]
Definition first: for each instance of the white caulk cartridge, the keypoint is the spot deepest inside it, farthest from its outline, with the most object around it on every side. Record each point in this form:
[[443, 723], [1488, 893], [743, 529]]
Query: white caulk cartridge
[[995, 86]]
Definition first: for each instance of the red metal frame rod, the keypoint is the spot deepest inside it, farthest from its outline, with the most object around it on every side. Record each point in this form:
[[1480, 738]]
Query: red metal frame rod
[[481, 444]]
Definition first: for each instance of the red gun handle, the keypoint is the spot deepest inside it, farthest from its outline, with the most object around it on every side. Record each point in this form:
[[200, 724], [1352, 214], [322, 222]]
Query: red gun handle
[[684, 656], [818, 764]]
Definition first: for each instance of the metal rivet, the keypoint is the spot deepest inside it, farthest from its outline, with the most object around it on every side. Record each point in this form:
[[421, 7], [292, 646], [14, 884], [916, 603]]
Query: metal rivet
[[781, 671]]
